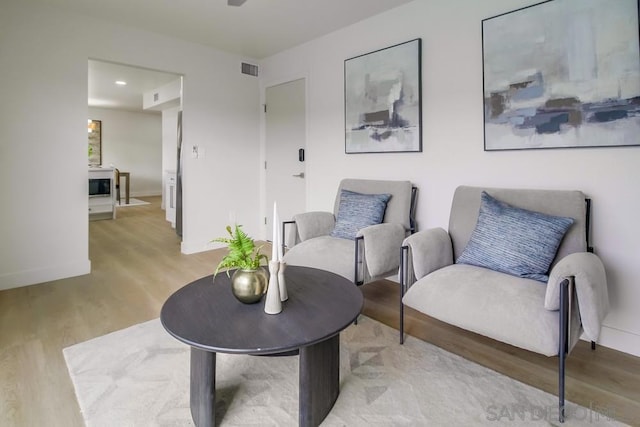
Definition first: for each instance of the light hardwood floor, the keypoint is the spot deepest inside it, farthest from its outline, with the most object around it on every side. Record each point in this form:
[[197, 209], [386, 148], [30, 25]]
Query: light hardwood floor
[[137, 264]]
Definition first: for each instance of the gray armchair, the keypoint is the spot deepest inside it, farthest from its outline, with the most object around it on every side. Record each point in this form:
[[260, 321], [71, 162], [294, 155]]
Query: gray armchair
[[334, 241], [472, 275]]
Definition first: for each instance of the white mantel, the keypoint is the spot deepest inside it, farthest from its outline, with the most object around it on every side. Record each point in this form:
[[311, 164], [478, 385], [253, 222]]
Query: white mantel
[[103, 207]]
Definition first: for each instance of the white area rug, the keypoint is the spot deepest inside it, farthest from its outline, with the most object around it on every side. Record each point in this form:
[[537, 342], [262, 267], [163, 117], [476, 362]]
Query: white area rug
[[139, 376], [132, 202]]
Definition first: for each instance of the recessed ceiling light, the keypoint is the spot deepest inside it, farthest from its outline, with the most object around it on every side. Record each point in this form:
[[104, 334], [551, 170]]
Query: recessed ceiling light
[[121, 82]]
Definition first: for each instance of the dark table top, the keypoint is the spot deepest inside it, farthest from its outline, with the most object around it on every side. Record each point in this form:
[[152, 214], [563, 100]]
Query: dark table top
[[206, 315]]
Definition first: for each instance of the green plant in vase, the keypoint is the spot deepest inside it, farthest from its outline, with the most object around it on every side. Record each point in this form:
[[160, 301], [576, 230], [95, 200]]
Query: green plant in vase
[[249, 281]]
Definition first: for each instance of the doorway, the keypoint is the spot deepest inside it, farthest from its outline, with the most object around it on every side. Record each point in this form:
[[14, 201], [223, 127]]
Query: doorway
[[135, 137], [134, 106], [285, 136]]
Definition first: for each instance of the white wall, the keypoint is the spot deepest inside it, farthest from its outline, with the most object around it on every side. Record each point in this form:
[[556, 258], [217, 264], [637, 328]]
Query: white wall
[[43, 137], [43, 155], [132, 142], [453, 139]]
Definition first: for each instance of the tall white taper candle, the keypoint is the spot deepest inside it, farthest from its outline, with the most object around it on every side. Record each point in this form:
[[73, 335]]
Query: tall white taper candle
[[274, 249], [280, 243]]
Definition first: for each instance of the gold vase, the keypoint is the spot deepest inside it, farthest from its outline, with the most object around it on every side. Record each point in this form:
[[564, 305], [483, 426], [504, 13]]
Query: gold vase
[[248, 286]]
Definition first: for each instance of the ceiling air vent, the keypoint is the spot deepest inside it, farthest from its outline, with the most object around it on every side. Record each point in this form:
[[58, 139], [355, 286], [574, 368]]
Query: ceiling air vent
[[250, 69]]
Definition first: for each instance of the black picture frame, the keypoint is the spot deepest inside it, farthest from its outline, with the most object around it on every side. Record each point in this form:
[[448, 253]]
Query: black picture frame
[[383, 100]]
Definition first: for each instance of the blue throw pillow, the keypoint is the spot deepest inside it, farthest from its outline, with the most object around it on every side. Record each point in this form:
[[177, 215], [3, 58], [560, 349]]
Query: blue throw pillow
[[356, 211], [515, 241]]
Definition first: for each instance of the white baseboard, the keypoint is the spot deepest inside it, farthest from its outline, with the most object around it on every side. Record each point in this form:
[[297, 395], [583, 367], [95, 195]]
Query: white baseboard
[[199, 246], [393, 278], [141, 194], [47, 274], [624, 341]]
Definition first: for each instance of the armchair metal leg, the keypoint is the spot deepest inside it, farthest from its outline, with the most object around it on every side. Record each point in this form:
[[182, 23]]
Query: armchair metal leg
[[403, 281], [593, 345], [401, 322], [358, 261], [563, 346]]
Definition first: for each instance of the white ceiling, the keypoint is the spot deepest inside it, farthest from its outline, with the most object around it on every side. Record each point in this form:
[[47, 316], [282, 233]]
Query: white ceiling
[[257, 29], [105, 93]]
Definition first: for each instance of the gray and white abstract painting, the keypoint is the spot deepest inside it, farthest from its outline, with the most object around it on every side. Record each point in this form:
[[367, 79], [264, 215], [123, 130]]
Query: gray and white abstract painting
[[563, 73], [382, 100]]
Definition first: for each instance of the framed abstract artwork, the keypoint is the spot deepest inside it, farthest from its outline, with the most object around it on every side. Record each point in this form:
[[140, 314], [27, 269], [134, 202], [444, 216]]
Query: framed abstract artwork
[[382, 91], [95, 142], [562, 73]]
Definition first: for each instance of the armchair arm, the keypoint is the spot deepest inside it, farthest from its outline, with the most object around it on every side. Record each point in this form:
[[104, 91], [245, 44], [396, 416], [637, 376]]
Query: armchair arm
[[591, 289], [381, 247], [314, 224], [429, 250]]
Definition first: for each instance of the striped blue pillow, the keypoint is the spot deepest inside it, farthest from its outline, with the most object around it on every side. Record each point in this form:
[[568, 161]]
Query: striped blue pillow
[[356, 211], [515, 241]]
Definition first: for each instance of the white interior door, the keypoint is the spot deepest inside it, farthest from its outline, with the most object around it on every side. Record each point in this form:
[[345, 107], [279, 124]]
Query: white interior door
[[285, 136]]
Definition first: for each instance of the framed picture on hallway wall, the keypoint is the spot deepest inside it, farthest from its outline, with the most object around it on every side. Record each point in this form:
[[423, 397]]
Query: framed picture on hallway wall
[[382, 92], [95, 142], [562, 73]]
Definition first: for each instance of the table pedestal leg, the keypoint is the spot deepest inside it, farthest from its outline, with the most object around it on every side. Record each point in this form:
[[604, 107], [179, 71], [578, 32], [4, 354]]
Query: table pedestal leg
[[203, 387], [319, 380]]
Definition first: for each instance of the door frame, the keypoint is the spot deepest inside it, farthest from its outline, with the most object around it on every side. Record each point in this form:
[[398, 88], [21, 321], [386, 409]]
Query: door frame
[[264, 85]]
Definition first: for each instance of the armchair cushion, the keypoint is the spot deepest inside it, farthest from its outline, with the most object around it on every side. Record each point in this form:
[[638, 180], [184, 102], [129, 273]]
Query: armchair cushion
[[501, 306], [515, 241], [325, 253], [357, 211]]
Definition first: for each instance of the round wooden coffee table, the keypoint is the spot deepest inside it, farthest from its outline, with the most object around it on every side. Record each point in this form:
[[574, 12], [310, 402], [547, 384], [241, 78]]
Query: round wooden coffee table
[[205, 315]]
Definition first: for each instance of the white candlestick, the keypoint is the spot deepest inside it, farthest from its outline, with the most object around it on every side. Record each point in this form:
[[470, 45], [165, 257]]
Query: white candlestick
[[274, 243], [273, 302]]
